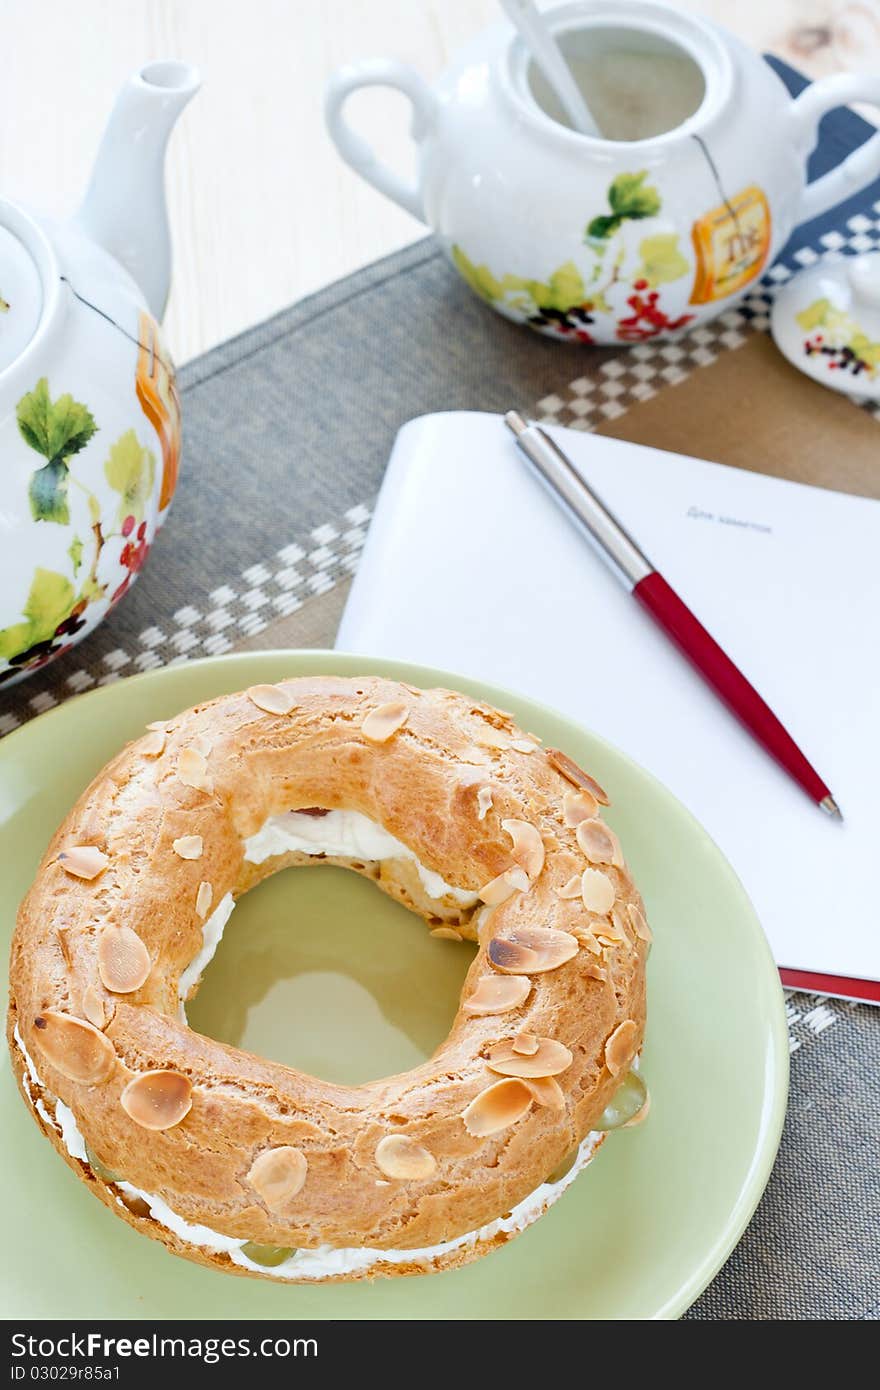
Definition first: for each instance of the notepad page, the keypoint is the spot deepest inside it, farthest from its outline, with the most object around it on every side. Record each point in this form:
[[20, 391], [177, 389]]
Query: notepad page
[[470, 565]]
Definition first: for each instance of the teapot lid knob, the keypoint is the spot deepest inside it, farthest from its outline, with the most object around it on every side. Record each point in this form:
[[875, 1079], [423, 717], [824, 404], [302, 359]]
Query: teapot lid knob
[[864, 277]]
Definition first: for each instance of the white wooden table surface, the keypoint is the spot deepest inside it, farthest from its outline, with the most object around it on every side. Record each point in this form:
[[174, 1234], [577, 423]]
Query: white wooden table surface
[[262, 210]]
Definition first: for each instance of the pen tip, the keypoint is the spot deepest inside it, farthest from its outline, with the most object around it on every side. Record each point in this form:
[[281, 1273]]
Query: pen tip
[[831, 808], [515, 422]]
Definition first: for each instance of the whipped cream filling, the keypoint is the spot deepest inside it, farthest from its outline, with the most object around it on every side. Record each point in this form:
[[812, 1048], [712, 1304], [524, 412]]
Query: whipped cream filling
[[339, 834], [344, 835], [325, 1260], [212, 933], [70, 1132], [28, 1061]]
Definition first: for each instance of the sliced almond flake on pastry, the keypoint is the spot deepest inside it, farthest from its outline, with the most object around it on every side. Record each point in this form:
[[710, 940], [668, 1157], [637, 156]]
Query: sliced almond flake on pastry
[[531, 950], [639, 923], [482, 923], [400, 1157], [201, 745], [484, 802], [153, 743], [158, 724], [157, 1099], [188, 846], [579, 805], [546, 1091], [523, 745], [569, 769], [526, 1044], [94, 1008], [490, 737], [204, 898], [619, 1046], [382, 723], [620, 922], [499, 889], [271, 699], [83, 861], [192, 770], [75, 1048], [496, 1108], [62, 936], [528, 847], [279, 1174], [497, 994], [597, 891], [587, 939], [613, 932], [599, 843], [549, 1059], [123, 960], [445, 934], [571, 889]]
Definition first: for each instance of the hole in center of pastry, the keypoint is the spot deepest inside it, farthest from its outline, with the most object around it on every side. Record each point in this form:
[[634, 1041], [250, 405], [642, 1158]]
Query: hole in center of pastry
[[321, 971]]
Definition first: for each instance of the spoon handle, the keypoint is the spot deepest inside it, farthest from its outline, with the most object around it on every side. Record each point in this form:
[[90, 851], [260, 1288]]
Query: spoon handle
[[547, 54]]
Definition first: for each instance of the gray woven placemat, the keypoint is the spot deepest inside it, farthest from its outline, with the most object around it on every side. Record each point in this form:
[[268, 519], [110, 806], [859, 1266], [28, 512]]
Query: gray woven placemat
[[287, 432]]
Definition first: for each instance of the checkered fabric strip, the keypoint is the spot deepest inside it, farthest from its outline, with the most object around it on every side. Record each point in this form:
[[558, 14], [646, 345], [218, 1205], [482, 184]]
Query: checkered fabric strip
[[810, 1016], [271, 588]]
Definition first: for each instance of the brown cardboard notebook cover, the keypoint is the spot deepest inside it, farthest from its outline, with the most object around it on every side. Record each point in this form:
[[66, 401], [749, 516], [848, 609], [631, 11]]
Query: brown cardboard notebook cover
[[753, 410]]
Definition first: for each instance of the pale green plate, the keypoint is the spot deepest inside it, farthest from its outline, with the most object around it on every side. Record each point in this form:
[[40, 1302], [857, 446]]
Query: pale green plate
[[321, 970]]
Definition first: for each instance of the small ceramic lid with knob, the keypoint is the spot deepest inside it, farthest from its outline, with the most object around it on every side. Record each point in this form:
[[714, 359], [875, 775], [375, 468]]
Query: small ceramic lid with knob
[[826, 321]]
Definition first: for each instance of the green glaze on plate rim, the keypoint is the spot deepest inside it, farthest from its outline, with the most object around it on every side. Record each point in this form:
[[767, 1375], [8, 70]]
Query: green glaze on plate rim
[[639, 1235]]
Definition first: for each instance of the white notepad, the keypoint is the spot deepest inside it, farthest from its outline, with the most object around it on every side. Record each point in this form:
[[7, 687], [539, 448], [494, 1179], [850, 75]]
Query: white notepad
[[471, 566]]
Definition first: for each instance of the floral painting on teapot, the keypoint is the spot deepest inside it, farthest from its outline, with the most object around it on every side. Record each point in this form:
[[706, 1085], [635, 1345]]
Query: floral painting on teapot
[[157, 392], [108, 521], [619, 288], [836, 337]]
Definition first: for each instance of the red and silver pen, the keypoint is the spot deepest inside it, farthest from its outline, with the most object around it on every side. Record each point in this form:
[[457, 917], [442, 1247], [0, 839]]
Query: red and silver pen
[[661, 601]]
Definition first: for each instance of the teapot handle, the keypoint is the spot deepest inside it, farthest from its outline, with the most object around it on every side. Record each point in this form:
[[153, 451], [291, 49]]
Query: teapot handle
[[354, 149], [862, 166]]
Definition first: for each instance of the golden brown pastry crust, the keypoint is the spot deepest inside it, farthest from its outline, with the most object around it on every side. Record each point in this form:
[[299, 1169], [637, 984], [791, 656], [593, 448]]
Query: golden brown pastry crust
[[422, 785]]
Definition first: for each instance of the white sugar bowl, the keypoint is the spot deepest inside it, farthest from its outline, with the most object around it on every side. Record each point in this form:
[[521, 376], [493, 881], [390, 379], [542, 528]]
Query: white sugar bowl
[[694, 187]]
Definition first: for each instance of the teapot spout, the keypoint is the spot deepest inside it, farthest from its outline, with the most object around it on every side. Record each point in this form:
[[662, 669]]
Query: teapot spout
[[124, 207]]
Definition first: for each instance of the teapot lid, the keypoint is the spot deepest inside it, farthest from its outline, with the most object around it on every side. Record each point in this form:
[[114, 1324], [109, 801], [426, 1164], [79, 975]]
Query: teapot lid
[[21, 295], [31, 305], [826, 321]]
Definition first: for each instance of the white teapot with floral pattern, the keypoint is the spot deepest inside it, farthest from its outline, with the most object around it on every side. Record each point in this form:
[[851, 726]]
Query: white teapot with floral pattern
[[692, 190], [89, 414]]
